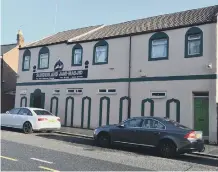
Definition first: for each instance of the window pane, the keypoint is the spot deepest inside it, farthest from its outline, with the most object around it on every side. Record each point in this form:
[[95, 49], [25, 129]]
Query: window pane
[[152, 124], [159, 48], [101, 54], [25, 112], [194, 47], [14, 111], [77, 56], [26, 62], [43, 60], [42, 112], [133, 123], [194, 37]]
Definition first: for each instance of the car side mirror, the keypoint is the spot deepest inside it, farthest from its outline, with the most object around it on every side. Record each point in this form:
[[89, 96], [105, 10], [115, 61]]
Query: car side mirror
[[121, 126]]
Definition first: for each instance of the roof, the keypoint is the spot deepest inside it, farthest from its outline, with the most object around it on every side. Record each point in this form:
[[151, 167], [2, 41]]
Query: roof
[[7, 47], [156, 23], [61, 37], [151, 24]]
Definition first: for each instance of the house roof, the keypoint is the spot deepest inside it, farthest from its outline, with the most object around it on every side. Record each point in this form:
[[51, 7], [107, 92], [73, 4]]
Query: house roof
[[156, 23], [7, 47], [151, 24], [61, 37]]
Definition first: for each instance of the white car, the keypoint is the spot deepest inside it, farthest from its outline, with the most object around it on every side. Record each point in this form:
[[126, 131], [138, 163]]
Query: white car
[[30, 119]]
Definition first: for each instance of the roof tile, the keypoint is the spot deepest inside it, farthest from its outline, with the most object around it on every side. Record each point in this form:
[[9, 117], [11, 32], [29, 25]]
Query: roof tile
[[150, 24]]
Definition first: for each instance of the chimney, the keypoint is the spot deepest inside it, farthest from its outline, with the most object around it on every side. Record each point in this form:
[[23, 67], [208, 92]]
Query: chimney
[[20, 38]]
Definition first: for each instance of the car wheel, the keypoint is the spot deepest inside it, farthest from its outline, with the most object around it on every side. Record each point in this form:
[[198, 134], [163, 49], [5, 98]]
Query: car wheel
[[103, 140], [167, 149], [27, 128], [50, 131]]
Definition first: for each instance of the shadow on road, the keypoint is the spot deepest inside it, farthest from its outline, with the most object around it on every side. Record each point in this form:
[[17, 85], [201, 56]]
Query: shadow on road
[[11, 129], [15, 130], [139, 150]]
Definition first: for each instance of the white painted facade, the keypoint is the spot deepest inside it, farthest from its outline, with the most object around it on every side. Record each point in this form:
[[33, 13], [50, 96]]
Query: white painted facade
[[118, 67]]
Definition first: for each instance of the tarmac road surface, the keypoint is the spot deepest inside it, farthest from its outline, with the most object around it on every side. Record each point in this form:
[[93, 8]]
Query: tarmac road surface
[[56, 152]]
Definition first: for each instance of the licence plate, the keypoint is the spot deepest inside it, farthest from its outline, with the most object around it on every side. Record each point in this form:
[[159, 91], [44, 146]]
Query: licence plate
[[51, 120]]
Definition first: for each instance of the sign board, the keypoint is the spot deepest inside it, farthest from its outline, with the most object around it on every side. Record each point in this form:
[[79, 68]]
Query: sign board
[[58, 72], [61, 75]]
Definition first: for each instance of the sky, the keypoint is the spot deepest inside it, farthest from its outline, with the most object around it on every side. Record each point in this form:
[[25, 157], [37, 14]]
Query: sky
[[41, 18]]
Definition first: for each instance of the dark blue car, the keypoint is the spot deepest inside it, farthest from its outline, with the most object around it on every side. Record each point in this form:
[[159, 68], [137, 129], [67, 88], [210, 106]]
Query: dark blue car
[[168, 136]]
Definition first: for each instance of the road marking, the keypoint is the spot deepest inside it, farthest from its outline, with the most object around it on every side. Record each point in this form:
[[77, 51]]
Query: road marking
[[41, 160], [49, 169], [8, 158]]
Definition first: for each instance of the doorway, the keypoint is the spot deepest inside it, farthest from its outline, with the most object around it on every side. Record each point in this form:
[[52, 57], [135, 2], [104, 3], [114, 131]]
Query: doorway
[[201, 112], [37, 99]]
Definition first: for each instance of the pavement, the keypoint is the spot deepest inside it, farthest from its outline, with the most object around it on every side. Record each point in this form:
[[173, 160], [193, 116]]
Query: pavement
[[210, 150], [61, 152]]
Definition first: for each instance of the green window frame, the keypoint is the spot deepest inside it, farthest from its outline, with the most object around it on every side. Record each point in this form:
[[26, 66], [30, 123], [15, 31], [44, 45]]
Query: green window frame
[[26, 54], [194, 35], [43, 51], [99, 48], [77, 49], [163, 39]]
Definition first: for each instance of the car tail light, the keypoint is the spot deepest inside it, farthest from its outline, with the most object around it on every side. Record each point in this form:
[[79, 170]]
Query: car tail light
[[191, 135], [42, 119]]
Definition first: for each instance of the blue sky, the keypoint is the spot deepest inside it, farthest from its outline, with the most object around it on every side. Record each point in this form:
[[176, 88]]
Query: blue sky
[[36, 18]]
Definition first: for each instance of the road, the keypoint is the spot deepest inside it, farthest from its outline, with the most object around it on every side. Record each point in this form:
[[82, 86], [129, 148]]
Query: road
[[55, 152]]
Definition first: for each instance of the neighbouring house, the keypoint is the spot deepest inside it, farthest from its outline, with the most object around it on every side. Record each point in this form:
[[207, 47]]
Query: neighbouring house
[[158, 66], [9, 69]]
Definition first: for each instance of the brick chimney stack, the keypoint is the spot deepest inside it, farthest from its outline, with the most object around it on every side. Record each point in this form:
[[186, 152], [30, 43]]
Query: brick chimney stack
[[20, 38]]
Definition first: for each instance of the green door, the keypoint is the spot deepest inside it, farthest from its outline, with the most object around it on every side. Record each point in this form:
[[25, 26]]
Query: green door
[[40, 102], [31, 100], [201, 114]]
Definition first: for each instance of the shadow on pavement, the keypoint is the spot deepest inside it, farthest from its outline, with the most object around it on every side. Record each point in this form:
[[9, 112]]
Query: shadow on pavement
[[139, 150], [15, 130]]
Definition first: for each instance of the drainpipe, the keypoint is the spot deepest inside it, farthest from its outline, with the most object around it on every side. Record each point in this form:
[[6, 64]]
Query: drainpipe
[[2, 84], [129, 70]]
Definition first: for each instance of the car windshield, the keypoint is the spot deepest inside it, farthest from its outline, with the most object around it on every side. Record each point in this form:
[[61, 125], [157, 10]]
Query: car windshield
[[42, 112], [176, 124]]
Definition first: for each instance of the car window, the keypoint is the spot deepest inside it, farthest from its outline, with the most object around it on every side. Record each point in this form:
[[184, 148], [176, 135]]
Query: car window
[[133, 123], [24, 111], [176, 124], [42, 112], [14, 111], [152, 124]]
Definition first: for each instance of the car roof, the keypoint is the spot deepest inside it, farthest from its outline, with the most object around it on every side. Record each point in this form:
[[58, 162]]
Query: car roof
[[145, 117], [31, 108]]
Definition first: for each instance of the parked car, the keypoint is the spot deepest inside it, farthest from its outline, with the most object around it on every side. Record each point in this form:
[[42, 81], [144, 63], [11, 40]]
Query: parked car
[[167, 136], [30, 119]]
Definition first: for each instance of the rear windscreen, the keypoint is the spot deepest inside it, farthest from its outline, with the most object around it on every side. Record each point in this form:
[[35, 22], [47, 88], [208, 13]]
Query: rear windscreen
[[176, 124], [42, 112]]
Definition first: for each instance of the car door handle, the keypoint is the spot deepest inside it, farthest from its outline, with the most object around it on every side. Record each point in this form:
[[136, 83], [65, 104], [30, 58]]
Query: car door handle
[[156, 133]]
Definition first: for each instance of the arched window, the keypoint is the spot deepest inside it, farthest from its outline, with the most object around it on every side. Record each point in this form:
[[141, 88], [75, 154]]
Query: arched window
[[100, 54], [26, 60], [194, 42], [77, 54], [43, 60], [158, 46]]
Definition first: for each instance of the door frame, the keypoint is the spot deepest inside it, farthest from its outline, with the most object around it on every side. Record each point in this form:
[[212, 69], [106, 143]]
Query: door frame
[[37, 92], [193, 108]]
